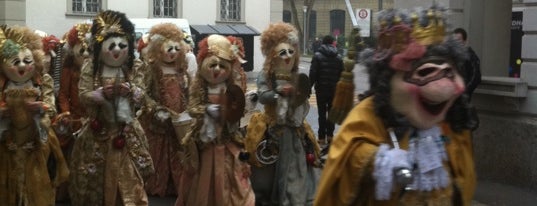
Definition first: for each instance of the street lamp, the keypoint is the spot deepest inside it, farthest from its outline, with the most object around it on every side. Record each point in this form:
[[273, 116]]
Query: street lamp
[[305, 9]]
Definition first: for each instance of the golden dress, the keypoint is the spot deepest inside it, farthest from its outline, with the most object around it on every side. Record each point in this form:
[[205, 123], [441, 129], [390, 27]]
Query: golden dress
[[26, 146], [164, 92], [104, 171], [347, 176], [219, 177]]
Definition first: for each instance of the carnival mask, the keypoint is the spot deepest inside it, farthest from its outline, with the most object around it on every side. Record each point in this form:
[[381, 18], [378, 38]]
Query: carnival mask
[[215, 70], [425, 94], [80, 53], [170, 51], [284, 58], [114, 51], [20, 67]]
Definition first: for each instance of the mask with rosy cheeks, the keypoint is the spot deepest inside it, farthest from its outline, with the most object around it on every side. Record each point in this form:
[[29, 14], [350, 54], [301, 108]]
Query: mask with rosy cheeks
[[114, 51], [170, 51], [425, 94], [80, 53], [215, 70], [20, 67], [284, 58]]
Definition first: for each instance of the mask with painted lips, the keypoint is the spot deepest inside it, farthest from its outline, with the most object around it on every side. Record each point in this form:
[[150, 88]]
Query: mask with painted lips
[[170, 51], [215, 70], [20, 67], [284, 57], [80, 53], [425, 94], [114, 51]]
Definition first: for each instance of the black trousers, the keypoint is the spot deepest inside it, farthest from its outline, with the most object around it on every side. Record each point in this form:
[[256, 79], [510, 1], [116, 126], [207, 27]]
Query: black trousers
[[324, 104]]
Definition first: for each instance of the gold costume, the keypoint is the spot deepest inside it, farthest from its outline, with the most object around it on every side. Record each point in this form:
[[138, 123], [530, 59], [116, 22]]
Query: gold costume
[[103, 173], [24, 176], [347, 177]]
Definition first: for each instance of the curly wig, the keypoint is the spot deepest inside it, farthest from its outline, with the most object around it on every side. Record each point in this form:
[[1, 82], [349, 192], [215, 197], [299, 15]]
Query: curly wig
[[380, 72], [160, 34], [99, 34], [30, 40], [275, 34]]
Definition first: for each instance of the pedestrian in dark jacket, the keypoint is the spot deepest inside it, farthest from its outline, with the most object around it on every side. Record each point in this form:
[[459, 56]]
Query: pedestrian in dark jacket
[[472, 70], [325, 70]]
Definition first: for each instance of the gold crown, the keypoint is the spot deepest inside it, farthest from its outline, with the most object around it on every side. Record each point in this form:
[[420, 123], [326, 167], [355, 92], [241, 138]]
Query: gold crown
[[107, 23], [431, 34], [399, 34]]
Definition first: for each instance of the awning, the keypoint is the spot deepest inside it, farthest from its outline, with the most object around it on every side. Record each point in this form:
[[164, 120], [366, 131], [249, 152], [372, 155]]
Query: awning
[[224, 29]]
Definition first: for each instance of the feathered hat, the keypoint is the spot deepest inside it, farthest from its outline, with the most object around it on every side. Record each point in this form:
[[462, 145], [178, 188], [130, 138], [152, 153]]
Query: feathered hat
[[79, 33], [111, 24], [15, 39]]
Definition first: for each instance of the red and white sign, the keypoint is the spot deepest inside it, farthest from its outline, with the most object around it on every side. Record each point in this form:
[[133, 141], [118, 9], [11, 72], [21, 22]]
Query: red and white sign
[[363, 18]]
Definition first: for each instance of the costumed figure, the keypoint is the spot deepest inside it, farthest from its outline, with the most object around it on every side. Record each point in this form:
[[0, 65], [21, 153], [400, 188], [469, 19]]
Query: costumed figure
[[216, 105], [282, 144], [52, 46], [408, 143], [69, 121], [27, 142], [110, 156], [141, 47], [192, 64], [166, 83]]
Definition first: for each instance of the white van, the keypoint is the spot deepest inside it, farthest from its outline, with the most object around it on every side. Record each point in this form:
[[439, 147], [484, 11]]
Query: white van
[[143, 25]]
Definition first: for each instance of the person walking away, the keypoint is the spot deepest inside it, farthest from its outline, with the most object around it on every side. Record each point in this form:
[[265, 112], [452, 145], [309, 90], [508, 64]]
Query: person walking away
[[472, 70], [325, 70]]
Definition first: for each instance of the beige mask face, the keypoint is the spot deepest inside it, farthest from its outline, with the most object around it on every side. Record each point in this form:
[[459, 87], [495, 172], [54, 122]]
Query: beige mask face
[[80, 53], [284, 57], [20, 67], [215, 70], [170, 51], [114, 51]]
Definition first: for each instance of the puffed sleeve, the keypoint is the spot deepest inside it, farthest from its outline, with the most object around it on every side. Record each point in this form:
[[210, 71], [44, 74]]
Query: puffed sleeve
[[49, 101]]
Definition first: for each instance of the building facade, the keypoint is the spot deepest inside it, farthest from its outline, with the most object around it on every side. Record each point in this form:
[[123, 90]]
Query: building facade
[[56, 17]]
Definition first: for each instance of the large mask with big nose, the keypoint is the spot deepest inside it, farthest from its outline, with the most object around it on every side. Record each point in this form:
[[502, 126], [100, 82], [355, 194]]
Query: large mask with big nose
[[170, 51], [114, 51], [284, 55], [215, 70], [424, 94], [19, 67]]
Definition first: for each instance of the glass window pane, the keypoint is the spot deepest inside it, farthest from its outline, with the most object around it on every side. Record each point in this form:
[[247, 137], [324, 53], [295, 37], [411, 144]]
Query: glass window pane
[[77, 6]]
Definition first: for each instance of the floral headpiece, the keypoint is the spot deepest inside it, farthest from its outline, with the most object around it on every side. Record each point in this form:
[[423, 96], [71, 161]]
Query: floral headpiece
[[80, 33], [237, 48], [220, 46], [278, 33], [107, 23], [11, 42], [405, 37], [50, 43]]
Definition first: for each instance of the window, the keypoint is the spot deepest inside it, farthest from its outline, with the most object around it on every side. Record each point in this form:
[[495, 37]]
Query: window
[[312, 26], [86, 6], [337, 22], [287, 16], [165, 8], [230, 10]]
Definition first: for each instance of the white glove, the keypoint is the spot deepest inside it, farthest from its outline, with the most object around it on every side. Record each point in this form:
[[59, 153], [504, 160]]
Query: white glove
[[388, 160], [213, 110], [162, 115]]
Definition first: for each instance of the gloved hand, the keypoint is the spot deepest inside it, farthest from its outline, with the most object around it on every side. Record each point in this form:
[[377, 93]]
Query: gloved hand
[[97, 96], [388, 163], [162, 114], [213, 110]]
